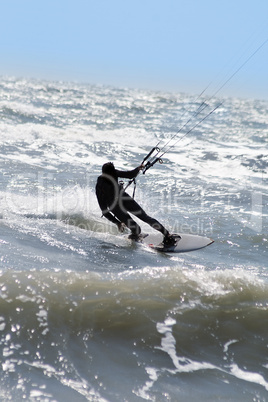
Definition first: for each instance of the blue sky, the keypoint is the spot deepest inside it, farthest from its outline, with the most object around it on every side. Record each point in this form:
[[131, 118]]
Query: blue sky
[[173, 45]]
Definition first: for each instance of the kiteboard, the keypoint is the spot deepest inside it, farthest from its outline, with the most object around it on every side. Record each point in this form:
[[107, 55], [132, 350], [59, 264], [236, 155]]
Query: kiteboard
[[183, 242]]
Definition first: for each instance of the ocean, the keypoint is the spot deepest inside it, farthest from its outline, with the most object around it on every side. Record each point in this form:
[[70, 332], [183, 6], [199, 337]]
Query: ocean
[[86, 315]]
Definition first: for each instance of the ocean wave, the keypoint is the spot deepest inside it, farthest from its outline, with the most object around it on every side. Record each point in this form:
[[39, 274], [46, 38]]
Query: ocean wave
[[187, 321], [89, 297]]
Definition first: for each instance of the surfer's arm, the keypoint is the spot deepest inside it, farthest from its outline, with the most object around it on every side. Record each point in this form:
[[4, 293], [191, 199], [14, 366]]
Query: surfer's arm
[[129, 174]]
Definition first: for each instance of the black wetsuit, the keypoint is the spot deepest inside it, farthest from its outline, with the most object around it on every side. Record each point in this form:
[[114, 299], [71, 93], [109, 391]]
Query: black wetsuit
[[115, 203]]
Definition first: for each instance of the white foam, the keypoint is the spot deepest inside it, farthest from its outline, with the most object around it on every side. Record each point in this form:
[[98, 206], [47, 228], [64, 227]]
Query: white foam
[[249, 376]]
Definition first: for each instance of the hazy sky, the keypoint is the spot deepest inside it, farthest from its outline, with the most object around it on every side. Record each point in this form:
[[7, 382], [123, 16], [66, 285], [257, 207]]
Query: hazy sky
[[174, 45]]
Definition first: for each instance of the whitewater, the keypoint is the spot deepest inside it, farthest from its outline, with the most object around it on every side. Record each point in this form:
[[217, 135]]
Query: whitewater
[[85, 314]]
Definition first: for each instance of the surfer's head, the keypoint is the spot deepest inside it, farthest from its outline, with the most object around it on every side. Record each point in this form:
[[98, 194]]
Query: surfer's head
[[109, 169]]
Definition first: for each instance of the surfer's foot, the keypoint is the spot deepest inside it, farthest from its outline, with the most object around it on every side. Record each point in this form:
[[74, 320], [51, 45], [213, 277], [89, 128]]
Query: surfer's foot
[[135, 237], [170, 240]]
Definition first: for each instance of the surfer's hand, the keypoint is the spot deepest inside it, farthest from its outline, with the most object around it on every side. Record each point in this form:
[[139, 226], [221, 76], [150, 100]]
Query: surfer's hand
[[141, 167], [121, 227]]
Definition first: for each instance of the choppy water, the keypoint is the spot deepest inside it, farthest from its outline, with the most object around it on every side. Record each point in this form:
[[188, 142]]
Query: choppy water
[[84, 315]]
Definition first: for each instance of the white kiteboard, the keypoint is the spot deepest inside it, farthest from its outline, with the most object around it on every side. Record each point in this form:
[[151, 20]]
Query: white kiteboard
[[184, 242]]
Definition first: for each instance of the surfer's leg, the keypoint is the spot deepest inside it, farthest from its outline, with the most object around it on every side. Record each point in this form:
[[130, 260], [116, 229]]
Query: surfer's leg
[[153, 222], [124, 217], [132, 206]]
